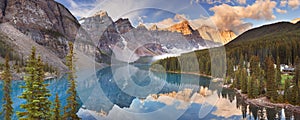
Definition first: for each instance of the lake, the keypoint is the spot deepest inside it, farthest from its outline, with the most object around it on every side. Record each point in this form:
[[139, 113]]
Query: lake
[[133, 92]]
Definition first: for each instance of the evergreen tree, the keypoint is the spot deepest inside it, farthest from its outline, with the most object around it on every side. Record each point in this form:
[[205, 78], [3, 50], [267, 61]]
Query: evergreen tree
[[261, 81], [287, 85], [278, 74], [249, 88], [42, 92], [244, 79], [296, 80], [56, 109], [7, 77], [37, 106], [70, 109], [271, 87], [28, 93]]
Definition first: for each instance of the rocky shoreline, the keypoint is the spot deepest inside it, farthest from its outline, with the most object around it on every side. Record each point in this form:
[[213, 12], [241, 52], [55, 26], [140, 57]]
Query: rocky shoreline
[[264, 102], [20, 76]]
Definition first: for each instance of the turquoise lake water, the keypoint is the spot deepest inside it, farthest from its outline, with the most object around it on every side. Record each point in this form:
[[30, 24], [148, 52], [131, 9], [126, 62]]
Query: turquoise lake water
[[133, 92]]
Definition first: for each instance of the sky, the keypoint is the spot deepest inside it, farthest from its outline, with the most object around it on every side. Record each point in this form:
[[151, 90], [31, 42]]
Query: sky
[[235, 15]]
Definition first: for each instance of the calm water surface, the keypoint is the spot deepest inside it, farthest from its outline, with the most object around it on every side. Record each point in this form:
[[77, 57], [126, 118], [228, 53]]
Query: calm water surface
[[132, 92]]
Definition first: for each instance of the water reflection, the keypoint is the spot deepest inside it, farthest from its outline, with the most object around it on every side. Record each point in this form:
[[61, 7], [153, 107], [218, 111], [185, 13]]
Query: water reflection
[[172, 96], [177, 96]]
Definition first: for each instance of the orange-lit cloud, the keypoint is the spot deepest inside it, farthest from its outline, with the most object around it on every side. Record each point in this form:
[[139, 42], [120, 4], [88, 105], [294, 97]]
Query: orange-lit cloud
[[231, 17], [294, 3], [283, 3], [281, 11], [227, 17]]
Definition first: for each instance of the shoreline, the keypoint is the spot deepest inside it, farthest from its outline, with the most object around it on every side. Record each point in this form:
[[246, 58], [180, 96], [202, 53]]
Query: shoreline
[[261, 101], [264, 102], [20, 76], [187, 73]]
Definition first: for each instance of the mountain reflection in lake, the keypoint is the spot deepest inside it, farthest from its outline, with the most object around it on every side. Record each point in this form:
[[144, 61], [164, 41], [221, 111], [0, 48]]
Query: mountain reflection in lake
[[117, 93], [133, 92]]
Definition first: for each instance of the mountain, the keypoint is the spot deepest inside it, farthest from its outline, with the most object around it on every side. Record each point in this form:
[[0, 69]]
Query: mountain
[[182, 27], [294, 21], [266, 32], [120, 40], [46, 24], [278, 40], [221, 36]]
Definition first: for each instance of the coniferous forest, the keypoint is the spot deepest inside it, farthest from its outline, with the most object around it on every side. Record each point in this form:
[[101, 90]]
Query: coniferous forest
[[253, 62], [36, 94]]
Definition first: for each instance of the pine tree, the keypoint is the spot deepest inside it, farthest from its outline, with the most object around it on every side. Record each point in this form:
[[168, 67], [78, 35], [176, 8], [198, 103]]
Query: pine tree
[[244, 79], [7, 77], [287, 85], [278, 74], [249, 88], [271, 87], [56, 109], [28, 93], [42, 92], [70, 109], [36, 94], [254, 82], [297, 79]]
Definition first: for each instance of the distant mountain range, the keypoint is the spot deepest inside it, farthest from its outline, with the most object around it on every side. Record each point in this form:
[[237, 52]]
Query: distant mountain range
[[48, 25], [129, 43]]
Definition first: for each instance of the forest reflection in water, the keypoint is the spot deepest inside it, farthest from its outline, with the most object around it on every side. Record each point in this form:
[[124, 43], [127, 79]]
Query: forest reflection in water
[[178, 96]]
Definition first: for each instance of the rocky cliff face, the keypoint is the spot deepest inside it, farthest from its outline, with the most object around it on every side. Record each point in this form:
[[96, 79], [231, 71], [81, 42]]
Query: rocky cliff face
[[221, 36], [182, 27], [123, 42], [46, 22], [123, 25]]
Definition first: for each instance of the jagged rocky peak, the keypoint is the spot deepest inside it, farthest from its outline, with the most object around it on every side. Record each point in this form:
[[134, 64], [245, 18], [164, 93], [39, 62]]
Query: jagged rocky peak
[[182, 27], [154, 27], [101, 13], [45, 21], [97, 24], [141, 27], [216, 35], [100, 17], [227, 35], [123, 25]]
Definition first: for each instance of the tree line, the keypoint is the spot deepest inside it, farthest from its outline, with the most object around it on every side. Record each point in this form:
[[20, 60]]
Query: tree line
[[36, 94], [19, 64], [249, 65]]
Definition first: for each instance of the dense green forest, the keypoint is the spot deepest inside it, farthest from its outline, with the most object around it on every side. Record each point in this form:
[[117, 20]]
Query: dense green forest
[[248, 62]]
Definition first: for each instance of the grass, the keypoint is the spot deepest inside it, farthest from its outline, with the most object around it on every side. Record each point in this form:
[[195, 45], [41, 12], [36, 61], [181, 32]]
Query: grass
[[285, 77]]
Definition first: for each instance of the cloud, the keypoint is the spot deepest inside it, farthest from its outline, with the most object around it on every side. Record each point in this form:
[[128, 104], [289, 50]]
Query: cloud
[[180, 17], [241, 1], [283, 3], [162, 24], [294, 3], [281, 11], [72, 3], [228, 17], [231, 17], [81, 8]]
